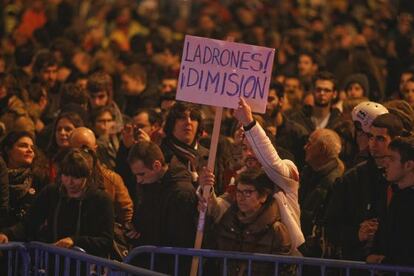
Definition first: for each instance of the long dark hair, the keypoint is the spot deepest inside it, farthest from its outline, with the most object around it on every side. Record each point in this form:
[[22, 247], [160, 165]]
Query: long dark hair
[[74, 118], [10, 139], [38, 166], [81, 163]]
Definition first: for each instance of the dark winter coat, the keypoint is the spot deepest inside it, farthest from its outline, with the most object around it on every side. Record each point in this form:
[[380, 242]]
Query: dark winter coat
[[394, 238], [167, 214], [265, 233], [4, 193], [303, 117], [89, 221], [359, 195]]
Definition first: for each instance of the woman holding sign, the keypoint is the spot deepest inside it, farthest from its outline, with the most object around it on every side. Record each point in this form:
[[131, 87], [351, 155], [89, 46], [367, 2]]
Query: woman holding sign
[[282, 173], [251, 224]]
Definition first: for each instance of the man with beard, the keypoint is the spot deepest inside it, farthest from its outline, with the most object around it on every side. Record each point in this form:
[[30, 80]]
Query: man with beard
[[321, 115], [289, 135], [45, 71]]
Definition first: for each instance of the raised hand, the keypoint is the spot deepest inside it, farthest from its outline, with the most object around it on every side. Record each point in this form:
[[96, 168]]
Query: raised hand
[[244, 113]]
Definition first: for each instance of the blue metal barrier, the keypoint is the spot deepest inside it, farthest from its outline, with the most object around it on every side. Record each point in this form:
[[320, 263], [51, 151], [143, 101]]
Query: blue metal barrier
[[346, 267], [16, 257], [51, 260]]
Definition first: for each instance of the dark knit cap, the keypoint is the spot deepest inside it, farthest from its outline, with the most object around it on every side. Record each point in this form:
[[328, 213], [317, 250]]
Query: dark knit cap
[[361, 79]]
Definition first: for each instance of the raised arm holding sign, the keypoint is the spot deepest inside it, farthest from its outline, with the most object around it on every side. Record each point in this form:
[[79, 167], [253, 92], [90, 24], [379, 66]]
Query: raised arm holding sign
[[218, 73]]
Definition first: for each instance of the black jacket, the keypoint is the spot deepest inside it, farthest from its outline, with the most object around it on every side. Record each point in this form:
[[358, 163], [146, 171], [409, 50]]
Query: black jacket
[[4, 193], [167, 213], [292, 137], [359, 195], [167, 216], [315, 186], [303, 117], [394, 238], [88, 221]]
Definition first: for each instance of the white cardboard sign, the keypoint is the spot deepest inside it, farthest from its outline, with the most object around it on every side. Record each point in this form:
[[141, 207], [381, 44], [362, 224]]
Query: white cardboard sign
[[218, 73]]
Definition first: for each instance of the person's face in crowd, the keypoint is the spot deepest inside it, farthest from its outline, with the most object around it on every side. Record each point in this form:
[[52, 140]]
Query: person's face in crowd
[[142, 121], [168, 85], [404, 79], [249, 158], [166, 105], [99, 99], [144, 175], [404, 23], [409, 92], [206, 23], [246, 16], [131, 86], [49, 75], [82, 83], [312, 148], [355, 90], [74, 186], [248, 199], [361, 136], [64, 129], [185, 128], [272, 101], [293, 90], [2, 65], [22, 153], [82, 62], [379, 139], [306, 66], [323, 93], [124, 17], [3, 91], [291, 84], [104, 124], [395, 171]]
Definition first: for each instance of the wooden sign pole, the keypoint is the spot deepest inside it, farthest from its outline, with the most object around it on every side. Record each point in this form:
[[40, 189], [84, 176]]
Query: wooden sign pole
[[206, 190]]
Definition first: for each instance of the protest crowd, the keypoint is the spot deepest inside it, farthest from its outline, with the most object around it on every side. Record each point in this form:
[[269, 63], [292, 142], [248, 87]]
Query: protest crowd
[[96, 152]]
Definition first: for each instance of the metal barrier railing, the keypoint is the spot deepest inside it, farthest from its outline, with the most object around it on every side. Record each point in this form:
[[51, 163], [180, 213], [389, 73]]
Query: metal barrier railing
[[14, 259], [301, 263], [51, 260]]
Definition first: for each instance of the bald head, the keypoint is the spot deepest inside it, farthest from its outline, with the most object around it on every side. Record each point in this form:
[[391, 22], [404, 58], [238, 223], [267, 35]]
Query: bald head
[[83, 137]]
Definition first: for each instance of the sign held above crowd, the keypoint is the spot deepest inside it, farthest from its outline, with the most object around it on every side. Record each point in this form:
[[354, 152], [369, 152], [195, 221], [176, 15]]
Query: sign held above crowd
[[218, 73]]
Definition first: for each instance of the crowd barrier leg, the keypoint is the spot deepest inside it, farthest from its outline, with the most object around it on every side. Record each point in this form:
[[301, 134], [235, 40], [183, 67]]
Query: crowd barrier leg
[[14, 259]]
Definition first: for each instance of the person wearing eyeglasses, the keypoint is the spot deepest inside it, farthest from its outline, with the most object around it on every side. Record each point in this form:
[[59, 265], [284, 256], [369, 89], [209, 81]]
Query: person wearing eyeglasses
[[259, 152], [252, 223], [100, 90], [322, 114]]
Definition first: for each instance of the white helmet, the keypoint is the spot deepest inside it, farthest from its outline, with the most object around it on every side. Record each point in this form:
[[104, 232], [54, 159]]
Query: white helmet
[[366, 112]]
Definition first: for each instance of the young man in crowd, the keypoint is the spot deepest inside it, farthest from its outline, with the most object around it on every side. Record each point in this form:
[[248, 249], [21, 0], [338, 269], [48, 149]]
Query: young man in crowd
[[359, 198], [393, 242], [321, 115], [167, 211]]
